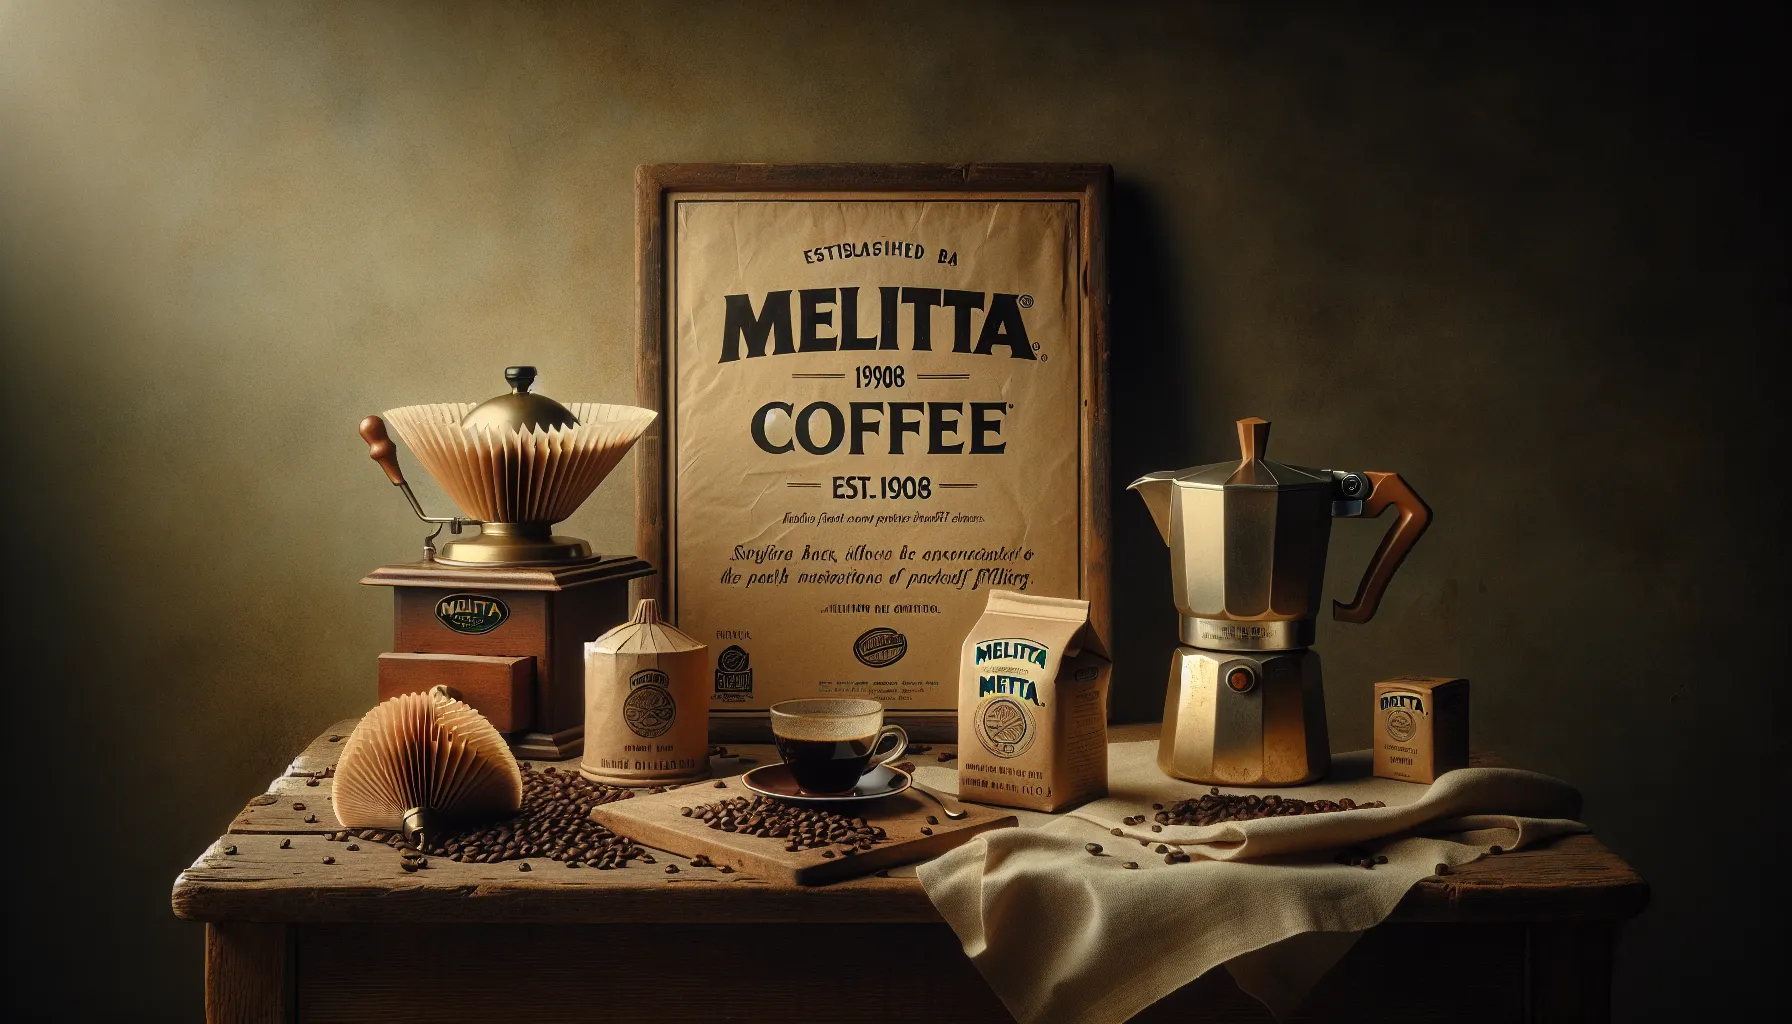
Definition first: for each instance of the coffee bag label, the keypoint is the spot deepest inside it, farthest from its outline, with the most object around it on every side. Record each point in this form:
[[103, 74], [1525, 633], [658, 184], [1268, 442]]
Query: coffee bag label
[[875, 422], [1402, 713]]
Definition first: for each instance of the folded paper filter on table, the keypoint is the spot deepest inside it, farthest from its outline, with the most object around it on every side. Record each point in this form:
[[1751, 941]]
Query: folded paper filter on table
[[1093, 914]]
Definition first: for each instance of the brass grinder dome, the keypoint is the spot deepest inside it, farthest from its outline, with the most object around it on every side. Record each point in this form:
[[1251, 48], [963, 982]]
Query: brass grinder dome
[[519, 463], [520, 410]]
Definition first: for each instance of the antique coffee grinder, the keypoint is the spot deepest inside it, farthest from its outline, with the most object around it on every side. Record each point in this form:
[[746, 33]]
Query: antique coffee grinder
[[502, 617], [1248, 540]]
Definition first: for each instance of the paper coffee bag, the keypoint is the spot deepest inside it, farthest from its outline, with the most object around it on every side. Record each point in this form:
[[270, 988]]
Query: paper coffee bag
[[1032, 705]]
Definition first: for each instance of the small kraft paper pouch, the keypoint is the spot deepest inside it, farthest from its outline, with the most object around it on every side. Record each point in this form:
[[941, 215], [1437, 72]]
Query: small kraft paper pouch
[[1032, 705], [646, 705]]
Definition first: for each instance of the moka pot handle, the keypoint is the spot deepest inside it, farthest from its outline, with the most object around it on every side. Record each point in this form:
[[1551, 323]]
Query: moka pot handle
[[1414, 517]]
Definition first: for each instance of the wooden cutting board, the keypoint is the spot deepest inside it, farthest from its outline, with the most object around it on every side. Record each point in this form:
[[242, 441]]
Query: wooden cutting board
[[655, 820]]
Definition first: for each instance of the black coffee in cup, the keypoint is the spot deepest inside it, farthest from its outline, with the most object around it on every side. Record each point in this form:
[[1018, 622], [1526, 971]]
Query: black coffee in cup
[[826, 766], [829, 744]]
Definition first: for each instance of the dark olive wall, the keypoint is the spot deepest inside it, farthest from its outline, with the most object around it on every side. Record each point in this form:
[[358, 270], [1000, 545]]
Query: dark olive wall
[[1535, 263]]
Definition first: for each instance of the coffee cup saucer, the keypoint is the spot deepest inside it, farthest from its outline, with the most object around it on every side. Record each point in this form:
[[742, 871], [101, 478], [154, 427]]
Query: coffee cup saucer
[[774, 780]]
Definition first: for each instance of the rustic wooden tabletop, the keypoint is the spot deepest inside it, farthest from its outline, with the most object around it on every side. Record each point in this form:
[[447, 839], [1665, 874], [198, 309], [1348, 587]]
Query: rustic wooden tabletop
[[1573, 879]]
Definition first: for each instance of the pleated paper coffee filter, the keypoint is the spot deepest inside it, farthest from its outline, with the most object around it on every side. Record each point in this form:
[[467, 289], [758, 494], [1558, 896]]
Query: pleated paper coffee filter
[[429, 751], [511, 476]]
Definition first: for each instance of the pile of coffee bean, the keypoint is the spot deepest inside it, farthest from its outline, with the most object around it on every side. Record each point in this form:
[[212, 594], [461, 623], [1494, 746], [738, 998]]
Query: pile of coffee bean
[[1214, 807], [801, 828], [554, 823]]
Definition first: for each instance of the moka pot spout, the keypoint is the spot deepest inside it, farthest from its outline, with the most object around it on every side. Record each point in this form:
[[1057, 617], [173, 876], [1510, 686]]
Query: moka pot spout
[[1156, 489]]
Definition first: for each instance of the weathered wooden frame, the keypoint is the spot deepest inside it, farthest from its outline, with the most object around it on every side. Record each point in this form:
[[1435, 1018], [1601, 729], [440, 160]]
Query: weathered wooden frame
[[656, 185]]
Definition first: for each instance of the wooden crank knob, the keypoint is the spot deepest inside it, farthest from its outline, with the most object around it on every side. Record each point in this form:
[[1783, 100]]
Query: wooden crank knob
[[381, 448]]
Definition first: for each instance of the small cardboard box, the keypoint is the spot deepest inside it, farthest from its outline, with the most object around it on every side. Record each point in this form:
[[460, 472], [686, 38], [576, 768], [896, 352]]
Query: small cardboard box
[[1421, 727]]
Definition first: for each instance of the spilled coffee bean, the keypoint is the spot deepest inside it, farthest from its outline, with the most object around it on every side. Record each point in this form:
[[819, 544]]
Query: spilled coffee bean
[[801, 828], [554, 823], [1214, 808]]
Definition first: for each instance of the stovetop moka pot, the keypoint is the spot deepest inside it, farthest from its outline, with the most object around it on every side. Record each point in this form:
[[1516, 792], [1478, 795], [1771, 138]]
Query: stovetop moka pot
[[1248, 540]]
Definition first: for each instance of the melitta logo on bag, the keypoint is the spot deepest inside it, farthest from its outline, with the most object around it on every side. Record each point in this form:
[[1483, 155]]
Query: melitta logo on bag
[[471, 613], [1012, 650], [1016, 651], [1018, 686]]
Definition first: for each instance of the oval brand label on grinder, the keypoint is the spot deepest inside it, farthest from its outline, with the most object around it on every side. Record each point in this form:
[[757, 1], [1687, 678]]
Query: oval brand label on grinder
[[471, 613]]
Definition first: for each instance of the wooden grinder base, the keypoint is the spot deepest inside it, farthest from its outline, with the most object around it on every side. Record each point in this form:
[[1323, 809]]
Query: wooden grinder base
[[527, 673]]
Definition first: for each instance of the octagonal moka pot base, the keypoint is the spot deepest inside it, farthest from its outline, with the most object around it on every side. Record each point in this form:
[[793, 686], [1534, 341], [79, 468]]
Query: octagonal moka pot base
[[1244, 718]]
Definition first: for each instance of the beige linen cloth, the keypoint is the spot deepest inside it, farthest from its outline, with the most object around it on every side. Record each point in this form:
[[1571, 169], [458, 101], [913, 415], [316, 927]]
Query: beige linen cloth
[[1062, 936]]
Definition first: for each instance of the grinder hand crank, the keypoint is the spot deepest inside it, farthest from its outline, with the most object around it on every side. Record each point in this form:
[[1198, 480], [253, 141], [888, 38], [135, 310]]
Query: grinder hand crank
[[384, 452]]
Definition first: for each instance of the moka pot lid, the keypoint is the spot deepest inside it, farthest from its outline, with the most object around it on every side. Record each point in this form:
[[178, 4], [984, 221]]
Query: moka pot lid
[[1251, 470]]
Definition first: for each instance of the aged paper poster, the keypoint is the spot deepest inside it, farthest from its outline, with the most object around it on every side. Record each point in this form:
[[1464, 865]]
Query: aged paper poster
[[875, 420]]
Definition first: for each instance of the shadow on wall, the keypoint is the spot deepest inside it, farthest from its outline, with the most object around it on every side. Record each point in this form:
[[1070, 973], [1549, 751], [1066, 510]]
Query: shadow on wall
[[1152, 349]]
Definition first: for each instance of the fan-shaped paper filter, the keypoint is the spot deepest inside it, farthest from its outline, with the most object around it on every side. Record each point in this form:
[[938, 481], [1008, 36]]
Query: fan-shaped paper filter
[[428, 751], [511, 476]]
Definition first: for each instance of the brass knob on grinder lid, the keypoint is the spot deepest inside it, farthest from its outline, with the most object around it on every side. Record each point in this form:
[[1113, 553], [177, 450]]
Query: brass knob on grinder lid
[[520, 410]]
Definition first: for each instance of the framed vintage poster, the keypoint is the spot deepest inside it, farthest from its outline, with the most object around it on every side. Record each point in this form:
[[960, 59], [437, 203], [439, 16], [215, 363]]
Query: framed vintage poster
[[882, 395]]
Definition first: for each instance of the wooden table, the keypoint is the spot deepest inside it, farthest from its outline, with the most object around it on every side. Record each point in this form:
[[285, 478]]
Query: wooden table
[[1526, 936]]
